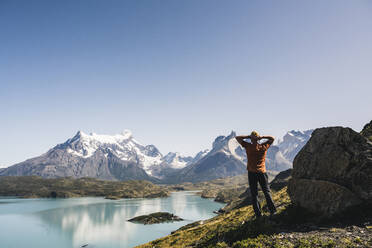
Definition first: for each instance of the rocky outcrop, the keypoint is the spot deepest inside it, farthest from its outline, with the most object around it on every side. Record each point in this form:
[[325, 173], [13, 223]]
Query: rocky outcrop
[[322, 196], [367, 131], [154, 218], [332, 172], [229, 195]]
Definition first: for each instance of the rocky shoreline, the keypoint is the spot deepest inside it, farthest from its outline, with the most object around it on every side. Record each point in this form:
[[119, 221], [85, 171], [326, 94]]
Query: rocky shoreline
[[38, 187]]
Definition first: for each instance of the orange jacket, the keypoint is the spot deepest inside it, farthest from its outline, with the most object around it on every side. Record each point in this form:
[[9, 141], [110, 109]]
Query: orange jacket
[[256, 155]]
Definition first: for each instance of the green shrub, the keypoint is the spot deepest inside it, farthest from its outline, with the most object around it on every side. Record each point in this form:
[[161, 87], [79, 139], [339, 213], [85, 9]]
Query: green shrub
[[221, 245], [248, 243]]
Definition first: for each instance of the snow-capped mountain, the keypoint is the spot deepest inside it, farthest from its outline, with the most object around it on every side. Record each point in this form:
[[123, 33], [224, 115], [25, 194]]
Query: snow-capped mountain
[[117, 157], [199, 155], [292, 143], [113, 157], [121, 157], [228, 158], [176, 161], [223, 160], [275, 160], [228, 145], [173, 162], [123, 146]]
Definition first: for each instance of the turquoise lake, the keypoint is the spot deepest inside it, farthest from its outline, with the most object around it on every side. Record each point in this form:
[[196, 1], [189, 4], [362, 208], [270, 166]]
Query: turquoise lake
[[94, 221]]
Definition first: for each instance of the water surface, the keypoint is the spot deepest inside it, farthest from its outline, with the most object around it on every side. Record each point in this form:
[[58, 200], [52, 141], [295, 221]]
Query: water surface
[[98, 222]]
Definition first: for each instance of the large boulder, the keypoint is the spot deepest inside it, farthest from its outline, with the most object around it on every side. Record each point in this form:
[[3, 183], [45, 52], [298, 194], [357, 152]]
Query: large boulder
[[333, 171], [320, 196]]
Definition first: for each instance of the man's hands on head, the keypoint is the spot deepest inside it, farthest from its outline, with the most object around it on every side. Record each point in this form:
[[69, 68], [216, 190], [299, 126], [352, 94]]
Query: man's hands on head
[[270, 139], [240, 139]]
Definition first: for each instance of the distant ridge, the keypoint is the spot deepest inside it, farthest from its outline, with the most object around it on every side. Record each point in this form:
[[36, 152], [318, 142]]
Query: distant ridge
[[122, 157], [228, 158]]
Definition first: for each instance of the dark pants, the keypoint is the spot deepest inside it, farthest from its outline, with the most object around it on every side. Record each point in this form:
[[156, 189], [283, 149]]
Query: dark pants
[[262, 178]]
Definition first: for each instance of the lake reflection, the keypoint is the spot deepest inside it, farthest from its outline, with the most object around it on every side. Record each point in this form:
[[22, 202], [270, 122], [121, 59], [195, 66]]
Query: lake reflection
[[94, 221]]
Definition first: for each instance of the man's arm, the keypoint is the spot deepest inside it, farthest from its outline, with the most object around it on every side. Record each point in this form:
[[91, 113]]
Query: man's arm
[[241, 141], [270, 139]]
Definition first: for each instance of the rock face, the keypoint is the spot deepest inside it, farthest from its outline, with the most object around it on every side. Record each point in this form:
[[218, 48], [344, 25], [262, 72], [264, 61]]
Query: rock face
[[322, 196], [333, 171], [367, 131]]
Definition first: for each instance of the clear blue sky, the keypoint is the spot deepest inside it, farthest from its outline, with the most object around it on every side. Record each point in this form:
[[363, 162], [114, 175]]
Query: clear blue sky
[[179, 73]]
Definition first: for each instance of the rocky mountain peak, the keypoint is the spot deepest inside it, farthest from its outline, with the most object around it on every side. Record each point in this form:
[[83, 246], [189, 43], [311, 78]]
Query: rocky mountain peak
[[176, 160], [151, 150], [200, 155], [126, 133], [232, 134], [222, 140], [292, 143], [81, 136], [76, 137]]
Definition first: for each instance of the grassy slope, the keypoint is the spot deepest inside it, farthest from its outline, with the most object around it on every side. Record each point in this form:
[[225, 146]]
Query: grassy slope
[[210, 231], [33, 186], [239, 229]]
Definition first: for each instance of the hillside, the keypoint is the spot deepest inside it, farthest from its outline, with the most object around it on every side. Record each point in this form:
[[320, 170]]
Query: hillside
[[35, 187], [291, 227], [325, 201]]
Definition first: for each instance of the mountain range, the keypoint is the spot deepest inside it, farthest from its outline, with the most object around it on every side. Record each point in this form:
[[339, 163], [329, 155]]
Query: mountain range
[[121, 157]]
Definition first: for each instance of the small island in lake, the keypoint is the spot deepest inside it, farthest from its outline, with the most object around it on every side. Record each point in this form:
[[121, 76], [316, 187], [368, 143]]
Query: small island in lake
[[155, 218]]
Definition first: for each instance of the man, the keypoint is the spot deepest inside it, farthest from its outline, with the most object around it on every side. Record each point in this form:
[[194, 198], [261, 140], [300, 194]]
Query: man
[[256, 154]]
